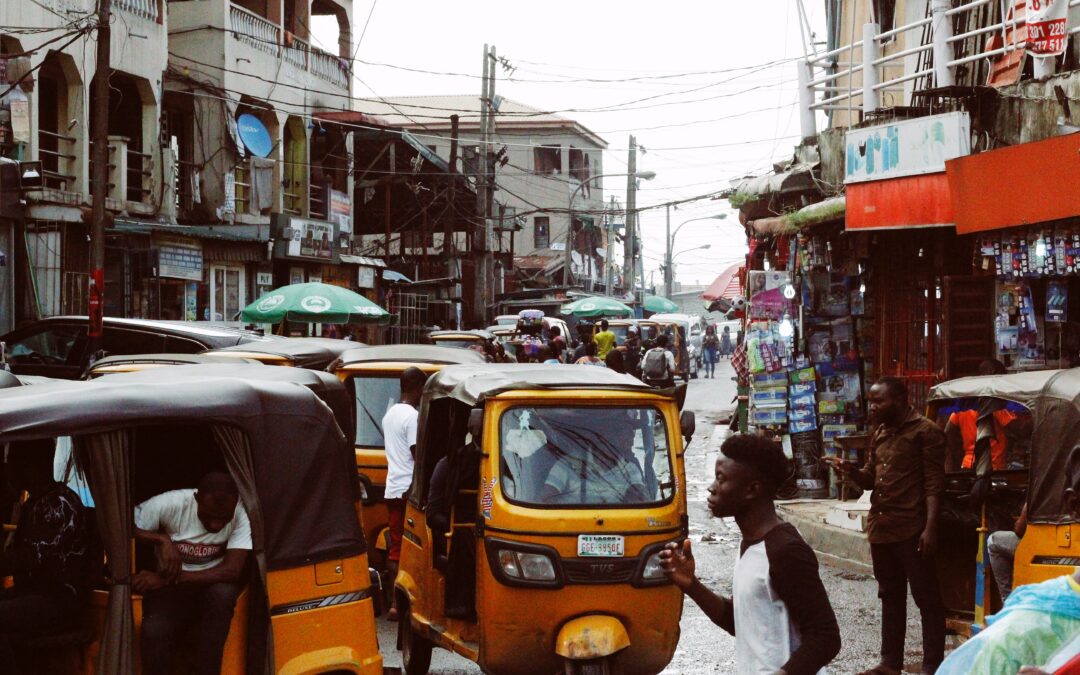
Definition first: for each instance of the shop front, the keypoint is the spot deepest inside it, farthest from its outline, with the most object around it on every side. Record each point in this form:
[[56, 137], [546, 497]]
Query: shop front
[[304, 249]]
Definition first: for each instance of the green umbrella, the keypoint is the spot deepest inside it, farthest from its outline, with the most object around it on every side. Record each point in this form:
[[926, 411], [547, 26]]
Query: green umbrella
[[659, 305], [595, 305], [313, 303]]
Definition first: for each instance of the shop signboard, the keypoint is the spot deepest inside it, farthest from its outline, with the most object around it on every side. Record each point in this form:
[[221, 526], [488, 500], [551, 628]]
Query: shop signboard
[[305, 239], [341, 210], [366, 277], [1047, 27], [180, 259], [906, 148], [264, 279]]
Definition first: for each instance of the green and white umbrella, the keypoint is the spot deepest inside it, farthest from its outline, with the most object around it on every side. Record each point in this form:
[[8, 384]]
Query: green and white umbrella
[[659, 305], [592, 306], [313, 303]]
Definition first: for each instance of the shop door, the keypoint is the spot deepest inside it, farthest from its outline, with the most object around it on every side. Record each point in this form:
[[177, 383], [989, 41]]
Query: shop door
[[227, 297], [969, 324]]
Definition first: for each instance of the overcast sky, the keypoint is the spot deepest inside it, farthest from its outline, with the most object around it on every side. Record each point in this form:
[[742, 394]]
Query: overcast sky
[[747, 114]]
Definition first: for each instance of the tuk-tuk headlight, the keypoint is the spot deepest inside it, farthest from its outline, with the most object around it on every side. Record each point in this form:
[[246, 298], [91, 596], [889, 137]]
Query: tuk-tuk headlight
[[652, 571], [527, 566]]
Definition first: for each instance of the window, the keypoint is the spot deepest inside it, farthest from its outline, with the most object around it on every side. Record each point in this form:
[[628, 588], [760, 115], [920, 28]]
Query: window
[[226, 292], [179, 345], [885, 14], [121, 341], [374, 396], [579, 168], [585, 456], [541, 236], [52, 346], [547, 160]]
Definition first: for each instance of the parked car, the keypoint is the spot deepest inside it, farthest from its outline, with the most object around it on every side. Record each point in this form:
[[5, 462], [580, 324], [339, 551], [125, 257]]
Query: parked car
[[57, 346]]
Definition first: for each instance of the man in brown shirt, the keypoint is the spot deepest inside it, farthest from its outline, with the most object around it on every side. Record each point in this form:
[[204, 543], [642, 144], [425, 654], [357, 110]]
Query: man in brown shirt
[[906, 471]]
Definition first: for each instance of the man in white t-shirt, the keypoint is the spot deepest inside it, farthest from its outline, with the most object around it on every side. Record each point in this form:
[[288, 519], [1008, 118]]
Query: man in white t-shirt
[[399, 437], [201, 541]]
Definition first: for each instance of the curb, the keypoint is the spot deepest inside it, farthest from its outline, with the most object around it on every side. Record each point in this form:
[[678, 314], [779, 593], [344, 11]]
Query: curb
[[838, 547]]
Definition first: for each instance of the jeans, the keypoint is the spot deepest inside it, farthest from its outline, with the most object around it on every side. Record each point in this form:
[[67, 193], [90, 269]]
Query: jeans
[[169, 611], [1002, 548], [896, 565], [29, 613]]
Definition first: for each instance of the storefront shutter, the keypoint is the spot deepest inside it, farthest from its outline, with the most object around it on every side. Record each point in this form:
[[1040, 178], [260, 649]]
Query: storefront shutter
[[969, 324]]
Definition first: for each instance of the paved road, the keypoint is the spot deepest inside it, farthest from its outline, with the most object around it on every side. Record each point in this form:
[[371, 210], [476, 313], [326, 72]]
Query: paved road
[[704, 648]]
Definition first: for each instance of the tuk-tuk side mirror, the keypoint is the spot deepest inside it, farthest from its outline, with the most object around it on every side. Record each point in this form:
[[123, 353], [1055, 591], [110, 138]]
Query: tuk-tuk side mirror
[[688, 424], [476, 423]]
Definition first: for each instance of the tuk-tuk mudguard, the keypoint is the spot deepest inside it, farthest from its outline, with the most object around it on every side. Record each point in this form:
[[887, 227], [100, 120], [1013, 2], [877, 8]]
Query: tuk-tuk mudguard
[[591, 637], [336, 659]]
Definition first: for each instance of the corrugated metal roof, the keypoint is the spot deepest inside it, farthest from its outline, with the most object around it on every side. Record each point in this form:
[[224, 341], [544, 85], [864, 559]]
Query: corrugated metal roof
[[362, 260]]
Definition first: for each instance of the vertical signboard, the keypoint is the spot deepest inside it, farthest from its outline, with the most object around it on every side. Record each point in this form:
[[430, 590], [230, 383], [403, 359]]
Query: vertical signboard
[[1048, 27]]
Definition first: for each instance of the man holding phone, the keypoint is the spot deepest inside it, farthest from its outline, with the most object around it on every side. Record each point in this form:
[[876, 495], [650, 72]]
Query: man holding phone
[[905, 469]]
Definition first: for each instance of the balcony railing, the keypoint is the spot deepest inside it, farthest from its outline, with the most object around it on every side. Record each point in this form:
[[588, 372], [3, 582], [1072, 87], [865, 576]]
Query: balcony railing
[[947, 47], [254, 30], [147, 9]]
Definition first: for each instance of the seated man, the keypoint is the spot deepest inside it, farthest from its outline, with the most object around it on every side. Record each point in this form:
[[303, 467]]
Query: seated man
[[606, 475], [1037, 619], [50, 557], [201, 541]]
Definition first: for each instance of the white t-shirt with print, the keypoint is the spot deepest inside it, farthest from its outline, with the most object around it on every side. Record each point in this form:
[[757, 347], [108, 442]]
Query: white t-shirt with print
[[399, 435], [176, 514]]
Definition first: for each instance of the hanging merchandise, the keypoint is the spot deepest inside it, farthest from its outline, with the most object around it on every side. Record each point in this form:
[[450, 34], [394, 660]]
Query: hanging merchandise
[[1057, 298], [770, 294]]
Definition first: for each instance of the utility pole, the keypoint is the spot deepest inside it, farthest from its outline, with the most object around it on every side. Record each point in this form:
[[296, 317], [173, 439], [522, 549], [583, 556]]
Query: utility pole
[[629, 254], [609, 241], [100, 178], [668, 273], [449, 219], [482, 234]]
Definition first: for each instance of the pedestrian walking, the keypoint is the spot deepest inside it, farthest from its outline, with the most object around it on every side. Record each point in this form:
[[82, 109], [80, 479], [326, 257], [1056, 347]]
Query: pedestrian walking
[[632, 357], [711, 346], [615, 361], [399, 433], [557, 344], [658, 365], [725, 341], [906, 471], [778, 611], [605, 340]]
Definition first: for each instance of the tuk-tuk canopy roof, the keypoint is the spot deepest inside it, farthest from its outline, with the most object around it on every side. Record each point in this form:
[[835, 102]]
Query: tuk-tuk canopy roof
[[412, 354], [316, 353], [304, 466], [471, 384], [1022, 388], [451, 334], [162, 359]]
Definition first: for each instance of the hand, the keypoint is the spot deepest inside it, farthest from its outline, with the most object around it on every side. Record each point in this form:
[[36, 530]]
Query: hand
[[842, 466], [928, 541], [147, 581], [678, 563], [168, 559]]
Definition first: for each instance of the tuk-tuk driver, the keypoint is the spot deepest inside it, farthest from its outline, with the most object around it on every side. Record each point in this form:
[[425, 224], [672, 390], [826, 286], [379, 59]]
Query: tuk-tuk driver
[[201, 541], [608, 474]]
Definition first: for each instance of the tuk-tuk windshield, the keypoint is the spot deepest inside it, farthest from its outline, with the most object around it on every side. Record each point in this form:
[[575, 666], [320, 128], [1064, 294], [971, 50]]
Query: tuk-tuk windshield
[[585, 456], [374, 396]]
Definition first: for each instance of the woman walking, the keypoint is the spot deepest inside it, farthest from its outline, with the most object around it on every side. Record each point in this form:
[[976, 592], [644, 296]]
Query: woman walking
[[725, 342], [711, 344]]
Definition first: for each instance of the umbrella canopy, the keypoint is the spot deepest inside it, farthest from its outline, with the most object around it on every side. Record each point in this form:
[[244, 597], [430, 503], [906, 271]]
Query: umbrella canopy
[[595, 305], [313, 303], [727, 286], [659, 305]]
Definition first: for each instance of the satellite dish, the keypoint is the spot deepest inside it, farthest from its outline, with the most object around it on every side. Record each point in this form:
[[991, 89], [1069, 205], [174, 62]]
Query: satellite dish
[[254, 135]]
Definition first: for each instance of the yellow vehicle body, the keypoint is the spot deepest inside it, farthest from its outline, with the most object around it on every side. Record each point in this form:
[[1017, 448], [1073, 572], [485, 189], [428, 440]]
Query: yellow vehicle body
[[594, 614], [261, 357], [1046, 551]]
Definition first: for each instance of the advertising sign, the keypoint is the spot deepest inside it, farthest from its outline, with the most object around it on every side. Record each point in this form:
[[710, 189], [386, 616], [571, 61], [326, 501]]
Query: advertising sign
[[366, 277], [1047, 26], [1057, 300], [305, 239], [179, 259], [341, 210], [769, 293], [906, 148]]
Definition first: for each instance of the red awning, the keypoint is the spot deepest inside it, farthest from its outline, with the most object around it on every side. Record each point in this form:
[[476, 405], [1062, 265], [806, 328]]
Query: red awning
[[1018, 185], [728, 285]]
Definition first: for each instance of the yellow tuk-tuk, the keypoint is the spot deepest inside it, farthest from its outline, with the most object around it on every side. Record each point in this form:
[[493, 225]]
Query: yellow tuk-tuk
[[308, 602], [372, 375], [463, 339], [541, 498], [312, 353]]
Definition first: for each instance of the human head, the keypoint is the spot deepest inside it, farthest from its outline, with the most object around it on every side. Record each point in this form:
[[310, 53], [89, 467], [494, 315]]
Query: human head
[[614, 361], [216, 498], [888, 401], [751, 469], [555, 331], [661, 340], [727, 329], [412, 385], [992, 367], [590, 348], [603, 324]]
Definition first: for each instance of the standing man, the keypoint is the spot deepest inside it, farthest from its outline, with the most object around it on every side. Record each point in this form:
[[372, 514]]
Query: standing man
[[778, 611], [399, 433], [906, 471], [557, 344], [658, 365], [605, 340], [633, 350]]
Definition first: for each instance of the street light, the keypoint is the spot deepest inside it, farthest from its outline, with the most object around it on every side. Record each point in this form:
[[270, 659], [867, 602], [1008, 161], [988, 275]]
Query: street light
[[567, 277], [669, 273]]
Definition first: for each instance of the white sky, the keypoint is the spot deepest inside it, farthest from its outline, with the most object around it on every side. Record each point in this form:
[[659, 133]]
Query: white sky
[[606, 39]]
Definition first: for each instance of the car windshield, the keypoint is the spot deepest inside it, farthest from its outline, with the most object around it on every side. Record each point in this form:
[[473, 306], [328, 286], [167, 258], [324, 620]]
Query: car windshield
[[585, 456], [374, 396], [620, 334]]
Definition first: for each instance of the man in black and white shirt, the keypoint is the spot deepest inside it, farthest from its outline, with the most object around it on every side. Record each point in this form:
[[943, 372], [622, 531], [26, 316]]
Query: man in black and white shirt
[[201, 540], [779, 611]]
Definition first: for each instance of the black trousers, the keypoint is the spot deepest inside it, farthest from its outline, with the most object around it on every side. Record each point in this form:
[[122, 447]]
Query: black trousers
[[896, 566], [29, 613], [169, 612]]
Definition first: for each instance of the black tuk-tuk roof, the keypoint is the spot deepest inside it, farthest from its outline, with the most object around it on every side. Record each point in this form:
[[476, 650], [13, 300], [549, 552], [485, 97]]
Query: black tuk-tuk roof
[[470, 384], [411, 353], [304, 465], [163, 359], [312, 353], [482, 334]]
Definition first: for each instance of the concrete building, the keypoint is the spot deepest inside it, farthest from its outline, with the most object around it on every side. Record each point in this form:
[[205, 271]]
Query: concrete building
[[547, 158]]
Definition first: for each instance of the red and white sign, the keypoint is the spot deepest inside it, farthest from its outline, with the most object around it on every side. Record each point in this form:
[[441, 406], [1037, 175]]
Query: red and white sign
[[1047, 24]]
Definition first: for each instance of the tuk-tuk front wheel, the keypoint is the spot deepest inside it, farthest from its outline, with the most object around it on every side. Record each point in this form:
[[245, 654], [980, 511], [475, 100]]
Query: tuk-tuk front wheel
[[415, 648], [601, 666]]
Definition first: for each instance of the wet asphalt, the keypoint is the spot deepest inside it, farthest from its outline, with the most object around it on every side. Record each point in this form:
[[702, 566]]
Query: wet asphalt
[[703, 647]]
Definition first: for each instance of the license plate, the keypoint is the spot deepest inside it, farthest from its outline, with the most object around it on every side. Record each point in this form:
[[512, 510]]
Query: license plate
[[600, 545]]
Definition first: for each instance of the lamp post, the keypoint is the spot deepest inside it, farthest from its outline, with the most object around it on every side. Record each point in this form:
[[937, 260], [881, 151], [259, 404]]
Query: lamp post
[[567, 276], [669, 272]]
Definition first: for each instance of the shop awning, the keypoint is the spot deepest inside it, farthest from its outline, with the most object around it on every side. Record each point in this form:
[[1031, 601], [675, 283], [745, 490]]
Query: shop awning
[[827, 211], [1018, 185], [361, 260], [900, 203], [728, 285]]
